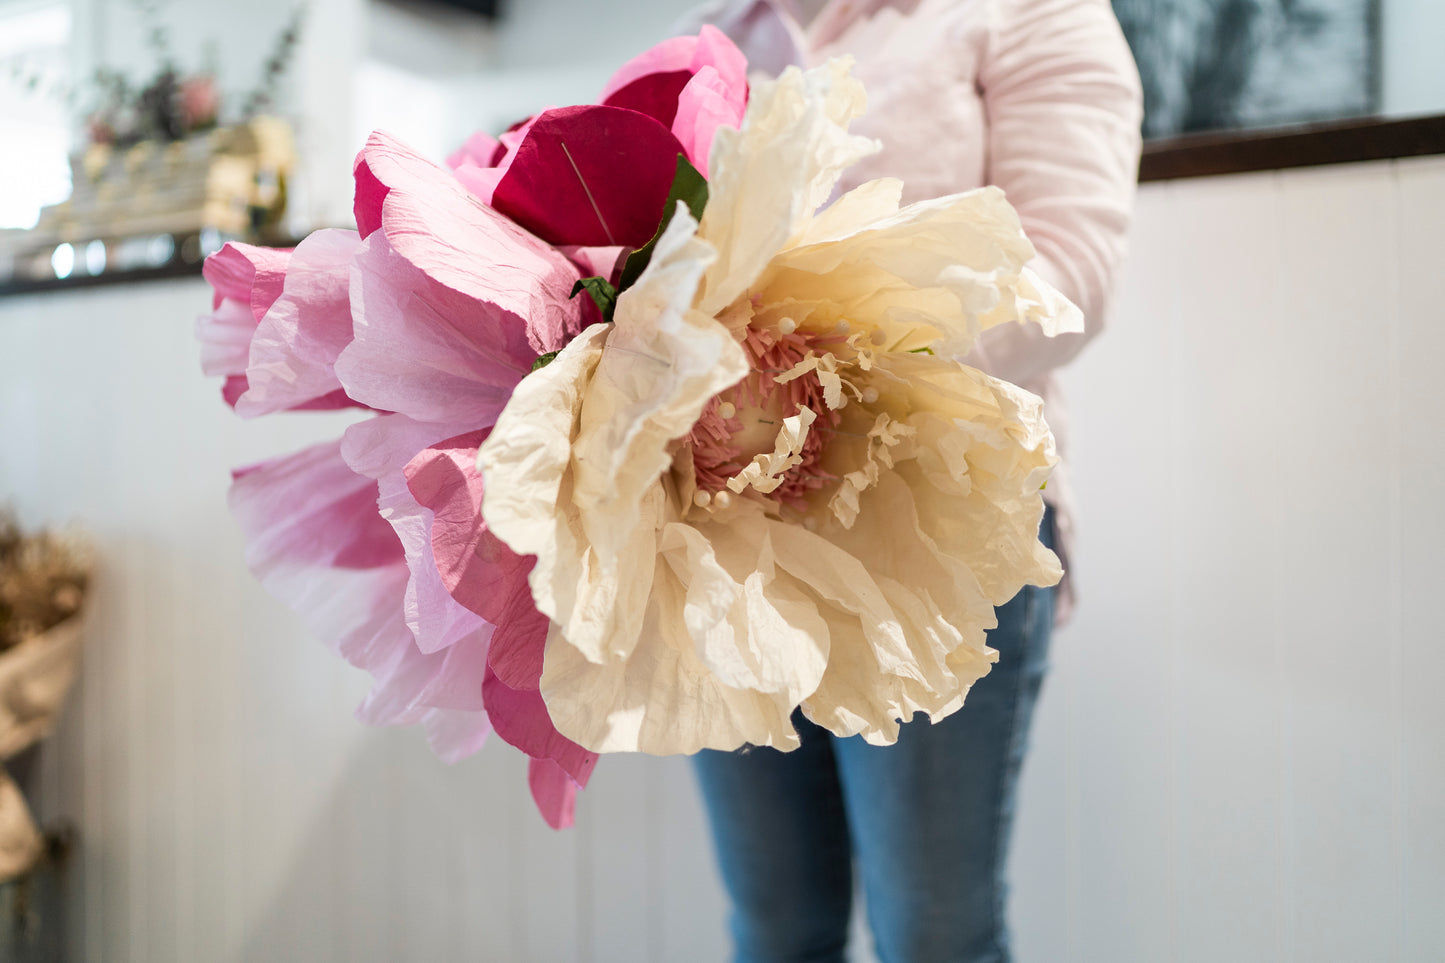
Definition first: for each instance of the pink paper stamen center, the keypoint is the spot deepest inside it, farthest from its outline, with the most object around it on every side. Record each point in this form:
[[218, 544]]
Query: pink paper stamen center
[[744, 420]]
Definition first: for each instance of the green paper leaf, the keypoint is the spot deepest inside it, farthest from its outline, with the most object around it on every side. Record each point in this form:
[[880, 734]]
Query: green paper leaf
[[603, 294], [688, 186], [546, 359]]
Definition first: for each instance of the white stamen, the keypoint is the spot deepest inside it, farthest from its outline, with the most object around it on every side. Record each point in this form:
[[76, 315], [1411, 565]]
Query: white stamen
[[879, 336], [810, 523], [701, 498], [870, 395], [843, 326], [723, 500], [787, 326], [727, 410]]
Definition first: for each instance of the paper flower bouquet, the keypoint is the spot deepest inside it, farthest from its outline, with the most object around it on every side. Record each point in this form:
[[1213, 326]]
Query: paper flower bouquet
[[667, 441]]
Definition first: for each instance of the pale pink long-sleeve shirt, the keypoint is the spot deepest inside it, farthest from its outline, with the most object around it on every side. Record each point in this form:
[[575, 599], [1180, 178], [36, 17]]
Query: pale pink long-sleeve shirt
[[1038, 97]]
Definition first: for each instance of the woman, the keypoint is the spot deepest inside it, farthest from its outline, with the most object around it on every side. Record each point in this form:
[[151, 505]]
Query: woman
[[1041, 98]]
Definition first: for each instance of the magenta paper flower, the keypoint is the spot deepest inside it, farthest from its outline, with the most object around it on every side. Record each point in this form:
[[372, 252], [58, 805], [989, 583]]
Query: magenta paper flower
[[598, 174]]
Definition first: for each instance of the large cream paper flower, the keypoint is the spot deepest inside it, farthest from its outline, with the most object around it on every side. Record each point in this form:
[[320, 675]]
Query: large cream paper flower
[[766, 484]]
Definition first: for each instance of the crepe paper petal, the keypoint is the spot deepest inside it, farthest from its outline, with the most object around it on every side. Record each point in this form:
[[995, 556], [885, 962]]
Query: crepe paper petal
[[653, 94], [553, 791], [704, 105], [234, 387], [958, 260], [643, 81], [481, 178], [425, 350], [448, 235], [520, 717], [590, 175], [225, 337], [766, 179], [381, 448], [247, 273], [454, 736], [297, 342], [481, 150], [315, 542], [478, 570], [245, 281]]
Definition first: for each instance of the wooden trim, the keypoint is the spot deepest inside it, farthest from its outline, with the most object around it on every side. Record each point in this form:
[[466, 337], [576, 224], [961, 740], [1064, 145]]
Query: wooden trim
[[178, 269], [1340, 142]]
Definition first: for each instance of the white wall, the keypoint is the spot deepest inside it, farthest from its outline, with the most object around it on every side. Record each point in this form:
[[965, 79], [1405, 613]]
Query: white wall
[[1242, 752]]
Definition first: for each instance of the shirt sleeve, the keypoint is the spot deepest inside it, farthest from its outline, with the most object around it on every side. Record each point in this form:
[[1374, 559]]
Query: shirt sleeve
[[1063, 103]]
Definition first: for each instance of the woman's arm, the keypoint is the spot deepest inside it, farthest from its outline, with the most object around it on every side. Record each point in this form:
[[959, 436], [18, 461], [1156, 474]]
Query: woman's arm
[[1063, 103]]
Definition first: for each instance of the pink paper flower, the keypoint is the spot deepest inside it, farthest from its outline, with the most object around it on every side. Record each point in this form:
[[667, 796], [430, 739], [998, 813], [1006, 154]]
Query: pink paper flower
[[431, 313]]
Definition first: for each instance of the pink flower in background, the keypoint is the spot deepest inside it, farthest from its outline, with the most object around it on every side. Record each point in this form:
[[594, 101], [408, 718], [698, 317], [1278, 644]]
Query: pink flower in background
[[199, 102]]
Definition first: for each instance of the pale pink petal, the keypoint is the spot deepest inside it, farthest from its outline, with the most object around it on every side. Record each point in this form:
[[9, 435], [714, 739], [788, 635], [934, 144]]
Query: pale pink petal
[[481, 181], [477, 569], [432, 221], [424, 349], [297, 342], [381, 448], [704, 105], [225, 336], [595, 261], [554, 792], [480, 150], [454, 735]]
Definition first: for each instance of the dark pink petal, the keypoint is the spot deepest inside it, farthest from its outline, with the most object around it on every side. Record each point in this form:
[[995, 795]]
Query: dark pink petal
[[295, 347], [369, 197], [652, 94], [520, 717], [553, 791], [590, 175], [675, 54], [233, 389], [432, 221]]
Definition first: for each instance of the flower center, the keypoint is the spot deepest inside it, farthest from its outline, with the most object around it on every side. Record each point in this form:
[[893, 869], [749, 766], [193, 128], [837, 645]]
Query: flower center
[[744, 421]]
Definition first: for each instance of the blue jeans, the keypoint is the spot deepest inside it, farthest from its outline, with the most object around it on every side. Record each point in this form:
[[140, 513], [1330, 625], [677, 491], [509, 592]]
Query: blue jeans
[[926, 821]]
